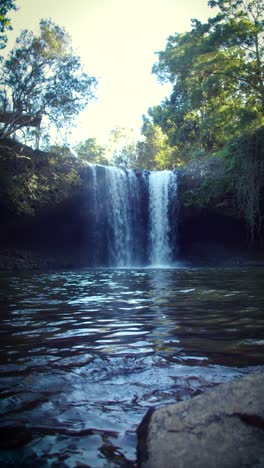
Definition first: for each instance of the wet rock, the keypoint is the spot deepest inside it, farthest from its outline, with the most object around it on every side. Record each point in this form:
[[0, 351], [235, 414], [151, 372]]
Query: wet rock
[[222, 428], [22, 260]]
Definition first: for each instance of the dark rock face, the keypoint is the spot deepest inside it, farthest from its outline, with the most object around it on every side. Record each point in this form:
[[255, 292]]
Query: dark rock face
[[43, 209], [46, 211], [55, 237], [210, 224], [222, 428], [207, 235]]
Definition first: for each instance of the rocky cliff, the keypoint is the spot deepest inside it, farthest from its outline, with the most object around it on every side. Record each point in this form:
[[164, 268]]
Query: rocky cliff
[[42, 207], [211, 224], [45, 220]]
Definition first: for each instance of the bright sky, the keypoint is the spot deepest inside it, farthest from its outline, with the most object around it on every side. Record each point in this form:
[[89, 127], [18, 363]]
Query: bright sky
[[117, 41]]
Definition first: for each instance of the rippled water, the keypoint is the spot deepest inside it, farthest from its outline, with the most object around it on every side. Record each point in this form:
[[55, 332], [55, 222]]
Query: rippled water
[[84, 354]]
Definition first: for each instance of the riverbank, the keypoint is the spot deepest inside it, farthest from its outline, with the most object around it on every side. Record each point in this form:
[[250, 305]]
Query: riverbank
[[14, 259]]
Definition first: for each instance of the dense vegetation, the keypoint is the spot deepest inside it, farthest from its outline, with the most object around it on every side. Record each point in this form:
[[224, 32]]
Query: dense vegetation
[[216, 70], [216, 107], [217, 74]]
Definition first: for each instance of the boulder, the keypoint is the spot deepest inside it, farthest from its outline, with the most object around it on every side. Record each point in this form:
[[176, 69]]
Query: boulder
[[223, 427]]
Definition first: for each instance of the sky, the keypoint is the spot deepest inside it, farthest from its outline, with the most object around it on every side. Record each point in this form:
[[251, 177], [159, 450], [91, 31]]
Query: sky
[[117, 41]]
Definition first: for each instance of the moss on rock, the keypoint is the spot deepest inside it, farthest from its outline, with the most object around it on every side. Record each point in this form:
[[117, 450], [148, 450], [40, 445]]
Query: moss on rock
[[32, 180]]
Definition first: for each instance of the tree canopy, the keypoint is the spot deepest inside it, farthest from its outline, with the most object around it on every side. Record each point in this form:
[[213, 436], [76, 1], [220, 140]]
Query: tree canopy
[[154, 152], [43, 77], [217, 74], [90, 151]]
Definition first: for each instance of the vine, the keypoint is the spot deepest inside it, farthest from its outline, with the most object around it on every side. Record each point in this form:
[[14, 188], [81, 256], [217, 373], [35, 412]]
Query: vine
[[247, 156]]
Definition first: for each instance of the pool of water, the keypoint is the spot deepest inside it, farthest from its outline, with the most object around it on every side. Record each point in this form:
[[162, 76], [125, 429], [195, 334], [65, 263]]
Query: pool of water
[[84, 354]]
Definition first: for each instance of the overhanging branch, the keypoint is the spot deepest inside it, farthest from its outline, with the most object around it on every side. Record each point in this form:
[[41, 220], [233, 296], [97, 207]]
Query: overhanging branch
[[20, 119]]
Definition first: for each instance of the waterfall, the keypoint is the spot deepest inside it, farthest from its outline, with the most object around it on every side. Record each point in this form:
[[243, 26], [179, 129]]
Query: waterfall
[[162, 192], [119, 187], [132, 217]]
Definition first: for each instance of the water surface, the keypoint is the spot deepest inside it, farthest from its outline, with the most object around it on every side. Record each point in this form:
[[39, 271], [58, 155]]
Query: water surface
[[84, 354]]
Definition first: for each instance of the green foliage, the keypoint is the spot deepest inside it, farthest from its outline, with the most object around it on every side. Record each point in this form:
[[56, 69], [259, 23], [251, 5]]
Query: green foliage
[[246, 159], [239, 187], [122, 148], [217, 74], [35, 179], [62, 151], [43, 77], [5, 24], [155, 152], [217, 108], [125, 156], [213, 192], [90, 151]]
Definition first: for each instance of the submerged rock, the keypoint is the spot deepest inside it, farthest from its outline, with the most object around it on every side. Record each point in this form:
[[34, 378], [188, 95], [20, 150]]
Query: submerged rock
[[222, 428]]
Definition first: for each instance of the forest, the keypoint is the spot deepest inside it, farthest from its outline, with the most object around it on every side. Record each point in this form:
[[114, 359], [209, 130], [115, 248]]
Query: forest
[[215, 109]]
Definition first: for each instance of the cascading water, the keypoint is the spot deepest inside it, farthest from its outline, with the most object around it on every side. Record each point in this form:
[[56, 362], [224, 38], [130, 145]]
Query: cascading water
[[119, 186], [162, 192], [133, 218]]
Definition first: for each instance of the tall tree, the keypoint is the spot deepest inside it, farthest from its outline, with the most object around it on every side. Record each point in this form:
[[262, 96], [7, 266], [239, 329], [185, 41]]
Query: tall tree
[[90, 151], [43, 77], [155, 152], [121, 148], [217, 74], [126, 156]]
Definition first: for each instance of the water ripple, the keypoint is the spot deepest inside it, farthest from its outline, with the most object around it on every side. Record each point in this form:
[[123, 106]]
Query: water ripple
[[84, 354]]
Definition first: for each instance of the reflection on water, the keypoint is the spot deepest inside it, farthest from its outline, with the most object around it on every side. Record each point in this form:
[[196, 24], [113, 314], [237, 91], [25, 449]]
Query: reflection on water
[[84, 354]]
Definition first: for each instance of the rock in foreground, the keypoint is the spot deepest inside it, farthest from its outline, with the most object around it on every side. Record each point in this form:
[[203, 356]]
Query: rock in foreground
[[222, 428]]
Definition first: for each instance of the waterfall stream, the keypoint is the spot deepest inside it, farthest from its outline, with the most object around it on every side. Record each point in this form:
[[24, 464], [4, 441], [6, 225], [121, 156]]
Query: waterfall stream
[[133, 217], [162, 192]]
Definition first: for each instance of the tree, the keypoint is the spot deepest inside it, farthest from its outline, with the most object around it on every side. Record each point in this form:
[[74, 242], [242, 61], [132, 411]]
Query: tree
[[155, 152], [42, 77], [126, 156], [241, 27], [121, 148], [217, 74], [90, 151], [5, 25]]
